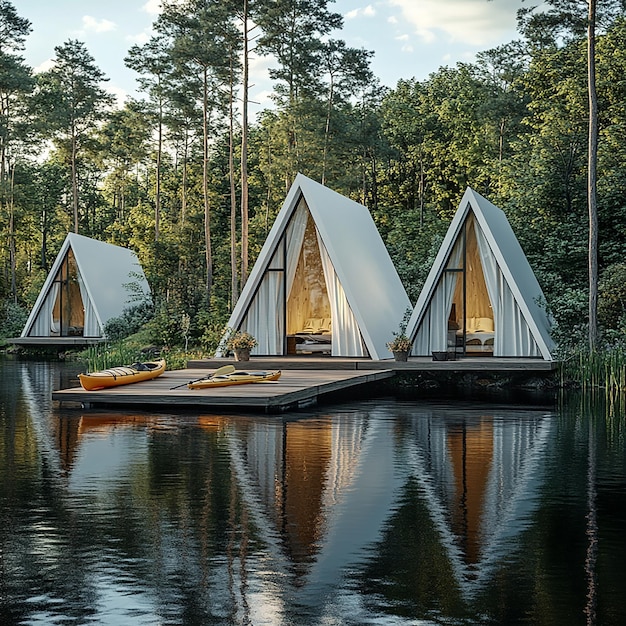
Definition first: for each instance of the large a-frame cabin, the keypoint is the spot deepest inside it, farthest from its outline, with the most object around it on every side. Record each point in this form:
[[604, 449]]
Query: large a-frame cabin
[[323, 281], [90, 283], [481, 295]]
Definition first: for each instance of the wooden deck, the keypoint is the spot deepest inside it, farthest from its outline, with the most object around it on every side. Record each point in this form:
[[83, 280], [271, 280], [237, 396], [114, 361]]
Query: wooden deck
[[295, 389], [59, 343], [303, 382], [414, 364]]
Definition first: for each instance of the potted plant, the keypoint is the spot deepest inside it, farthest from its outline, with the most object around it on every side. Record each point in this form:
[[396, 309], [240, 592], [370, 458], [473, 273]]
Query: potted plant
[[240, 343], [400, 345]]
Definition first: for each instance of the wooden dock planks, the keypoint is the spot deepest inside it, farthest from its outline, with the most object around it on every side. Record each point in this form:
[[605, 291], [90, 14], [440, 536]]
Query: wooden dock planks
[[294, 389]]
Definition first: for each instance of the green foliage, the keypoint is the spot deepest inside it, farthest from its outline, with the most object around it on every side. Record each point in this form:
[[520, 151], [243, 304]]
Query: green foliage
[[211, 336], [400, 341], [602, 371], [129, 322], [513, 126], [12, 320], [239, 340], [569, 309], [612, 297]]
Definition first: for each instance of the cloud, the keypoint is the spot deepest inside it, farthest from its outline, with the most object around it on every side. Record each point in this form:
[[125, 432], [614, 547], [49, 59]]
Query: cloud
[[91, 24], [118, 93], [368, 11], [48, 64], [139, 39], [475, 22], [153, 7]]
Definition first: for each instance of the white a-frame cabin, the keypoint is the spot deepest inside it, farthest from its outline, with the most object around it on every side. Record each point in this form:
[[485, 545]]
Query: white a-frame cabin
[[323, 281], [90, 283], [481, 295]]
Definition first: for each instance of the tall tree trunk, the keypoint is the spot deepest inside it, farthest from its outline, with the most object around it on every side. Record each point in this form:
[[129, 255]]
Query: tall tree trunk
[[591, 178], [244, 150], [12, 251], [74, 181], [183, 200], [205, 187], [329, 110], [157, 199], [234, 283]]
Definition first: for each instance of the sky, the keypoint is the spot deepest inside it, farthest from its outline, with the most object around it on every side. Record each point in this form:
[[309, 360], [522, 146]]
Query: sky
[[409, 38]]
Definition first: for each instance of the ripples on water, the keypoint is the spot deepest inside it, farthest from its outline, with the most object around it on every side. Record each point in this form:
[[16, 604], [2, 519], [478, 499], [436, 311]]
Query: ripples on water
[[378, 512]]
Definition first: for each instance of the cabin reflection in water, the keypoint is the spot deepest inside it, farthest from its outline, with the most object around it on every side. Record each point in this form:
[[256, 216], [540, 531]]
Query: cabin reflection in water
[[471, 455], [481, 475], [299, 470], [319, 492]]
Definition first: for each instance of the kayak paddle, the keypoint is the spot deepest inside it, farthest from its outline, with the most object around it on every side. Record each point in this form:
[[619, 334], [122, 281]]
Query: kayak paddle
[[221, 371]]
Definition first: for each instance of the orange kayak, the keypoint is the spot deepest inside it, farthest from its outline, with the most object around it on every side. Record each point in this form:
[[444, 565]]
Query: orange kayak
[[124, 375], [235, 378]]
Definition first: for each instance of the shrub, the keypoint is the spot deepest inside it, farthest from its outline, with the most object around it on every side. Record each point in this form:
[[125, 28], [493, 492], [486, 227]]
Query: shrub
[[212, 335], [12, 320], [612, 296], [129, 322]]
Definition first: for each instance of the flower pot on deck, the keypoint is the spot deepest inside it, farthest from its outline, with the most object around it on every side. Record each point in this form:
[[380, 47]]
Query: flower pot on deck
[[400, 355], [242, 354]]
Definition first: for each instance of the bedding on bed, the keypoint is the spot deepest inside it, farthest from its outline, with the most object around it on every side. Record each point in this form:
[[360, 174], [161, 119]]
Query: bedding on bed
[[479, 333], [315, 335]]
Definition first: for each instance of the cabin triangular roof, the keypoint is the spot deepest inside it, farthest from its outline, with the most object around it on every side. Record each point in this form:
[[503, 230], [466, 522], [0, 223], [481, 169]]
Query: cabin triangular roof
[[511, 261], [111, 275], [358, 254]]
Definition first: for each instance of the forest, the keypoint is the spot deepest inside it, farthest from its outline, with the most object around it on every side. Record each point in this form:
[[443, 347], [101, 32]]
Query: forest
[[184, 177]]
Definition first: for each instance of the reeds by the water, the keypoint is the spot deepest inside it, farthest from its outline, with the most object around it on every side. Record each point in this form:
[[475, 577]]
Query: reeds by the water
[[594, 373], [105, 356]]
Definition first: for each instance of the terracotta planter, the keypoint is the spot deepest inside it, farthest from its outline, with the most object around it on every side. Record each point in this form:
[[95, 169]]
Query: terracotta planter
[[401, 355], [242, 354]]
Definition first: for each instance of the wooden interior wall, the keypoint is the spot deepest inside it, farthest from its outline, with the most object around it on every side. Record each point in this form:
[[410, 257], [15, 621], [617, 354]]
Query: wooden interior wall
[[308, 297], [477, 296]]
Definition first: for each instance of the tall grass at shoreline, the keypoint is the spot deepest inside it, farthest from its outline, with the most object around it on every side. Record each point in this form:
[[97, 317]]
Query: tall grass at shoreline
[[597, 373], [105, 356]]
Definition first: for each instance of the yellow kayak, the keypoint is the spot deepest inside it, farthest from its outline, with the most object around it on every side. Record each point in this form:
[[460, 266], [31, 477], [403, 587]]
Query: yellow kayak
[[123, 375], [234, 378]]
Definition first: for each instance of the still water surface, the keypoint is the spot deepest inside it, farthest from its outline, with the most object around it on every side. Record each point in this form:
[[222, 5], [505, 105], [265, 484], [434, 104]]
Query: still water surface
[[380, 512]]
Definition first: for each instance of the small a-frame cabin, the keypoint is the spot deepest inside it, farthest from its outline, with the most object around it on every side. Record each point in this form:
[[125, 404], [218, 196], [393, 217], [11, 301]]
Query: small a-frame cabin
[[90, 283], [481, 295], [323, 281]]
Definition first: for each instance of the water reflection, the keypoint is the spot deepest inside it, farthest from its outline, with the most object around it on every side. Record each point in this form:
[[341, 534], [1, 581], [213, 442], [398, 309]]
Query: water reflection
[[481, 475], [378, 512]]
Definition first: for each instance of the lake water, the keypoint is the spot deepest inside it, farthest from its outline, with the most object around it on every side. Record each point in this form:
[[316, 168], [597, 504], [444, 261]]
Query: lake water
[[379, 512]]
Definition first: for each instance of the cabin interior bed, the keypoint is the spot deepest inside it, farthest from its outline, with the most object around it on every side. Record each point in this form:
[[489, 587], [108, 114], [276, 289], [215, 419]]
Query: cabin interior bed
[[479, 335], [315, 336]]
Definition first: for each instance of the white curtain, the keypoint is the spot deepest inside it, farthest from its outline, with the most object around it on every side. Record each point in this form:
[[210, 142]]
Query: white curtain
[[512, 336], [432, 335], [264, 319], [346, 338], [91, 328], [295, 236], [45, 324]]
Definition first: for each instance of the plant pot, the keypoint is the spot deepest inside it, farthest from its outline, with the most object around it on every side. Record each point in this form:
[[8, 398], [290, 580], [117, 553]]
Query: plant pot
[[440, 356], [242, 354], [401, 355]]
